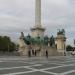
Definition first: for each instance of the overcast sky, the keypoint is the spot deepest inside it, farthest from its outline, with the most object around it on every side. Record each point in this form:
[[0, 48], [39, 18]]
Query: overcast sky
[[19, 15]]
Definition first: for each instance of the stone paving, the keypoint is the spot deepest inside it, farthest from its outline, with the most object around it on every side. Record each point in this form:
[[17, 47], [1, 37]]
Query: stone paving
[[37, 65]]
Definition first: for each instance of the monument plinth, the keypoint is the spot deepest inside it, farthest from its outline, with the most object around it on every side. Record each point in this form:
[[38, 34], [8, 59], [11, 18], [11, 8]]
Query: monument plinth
[[61, 41]]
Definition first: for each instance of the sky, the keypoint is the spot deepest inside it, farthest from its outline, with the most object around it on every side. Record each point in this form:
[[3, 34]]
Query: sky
[[19, 16]]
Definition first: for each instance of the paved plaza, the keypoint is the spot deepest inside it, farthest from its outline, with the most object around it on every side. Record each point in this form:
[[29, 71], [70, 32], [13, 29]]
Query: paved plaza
[[37, 65]]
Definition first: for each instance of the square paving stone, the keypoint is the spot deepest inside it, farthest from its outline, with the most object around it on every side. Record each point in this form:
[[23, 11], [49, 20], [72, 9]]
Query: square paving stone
[[62, 69], [43, 66], [7, 71], [73, 73], [67, 63], [35, 73], [12, 64]]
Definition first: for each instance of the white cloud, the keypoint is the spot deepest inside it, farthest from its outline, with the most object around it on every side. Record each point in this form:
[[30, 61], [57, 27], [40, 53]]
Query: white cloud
[[18, 15]]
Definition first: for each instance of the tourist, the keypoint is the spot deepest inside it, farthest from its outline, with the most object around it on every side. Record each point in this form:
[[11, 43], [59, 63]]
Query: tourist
[[29, 53], [46, 53], [35, 52]]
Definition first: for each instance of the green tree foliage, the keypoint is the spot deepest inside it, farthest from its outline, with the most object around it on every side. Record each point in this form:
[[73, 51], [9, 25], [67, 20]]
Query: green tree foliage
[[69, 48], [6, 44]]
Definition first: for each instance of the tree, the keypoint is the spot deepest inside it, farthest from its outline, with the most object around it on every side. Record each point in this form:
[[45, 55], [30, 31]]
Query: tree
[[6, 44], [69, 48]]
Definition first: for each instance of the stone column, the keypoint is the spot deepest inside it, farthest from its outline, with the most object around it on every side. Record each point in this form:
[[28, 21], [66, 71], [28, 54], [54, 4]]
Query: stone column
[[37, 30], [38, 13]]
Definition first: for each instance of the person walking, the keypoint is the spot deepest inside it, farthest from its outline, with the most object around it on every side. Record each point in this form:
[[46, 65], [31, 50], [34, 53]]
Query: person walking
[[47, 53], [32, 52], [35, 53], [29, 53]]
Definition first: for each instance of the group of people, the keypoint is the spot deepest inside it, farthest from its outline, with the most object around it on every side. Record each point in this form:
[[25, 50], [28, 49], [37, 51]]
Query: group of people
[[34, 52]]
